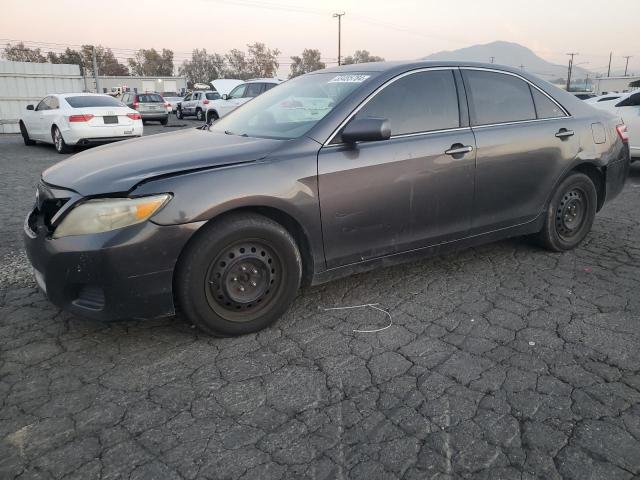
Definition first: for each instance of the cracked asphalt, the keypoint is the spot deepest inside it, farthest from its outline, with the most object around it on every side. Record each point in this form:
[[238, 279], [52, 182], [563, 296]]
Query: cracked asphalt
[[501, 362]]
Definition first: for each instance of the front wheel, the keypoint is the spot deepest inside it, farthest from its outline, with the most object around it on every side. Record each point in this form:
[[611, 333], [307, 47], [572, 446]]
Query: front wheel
[[58, 141], [570, 213], [164, 121], [238, 275], [212, 116], [179, 114]]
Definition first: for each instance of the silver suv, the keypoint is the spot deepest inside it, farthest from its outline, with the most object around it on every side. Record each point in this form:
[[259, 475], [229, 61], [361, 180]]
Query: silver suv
[[195, 104]]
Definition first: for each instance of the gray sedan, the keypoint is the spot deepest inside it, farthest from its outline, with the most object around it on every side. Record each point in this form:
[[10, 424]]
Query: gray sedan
[[331, 173]]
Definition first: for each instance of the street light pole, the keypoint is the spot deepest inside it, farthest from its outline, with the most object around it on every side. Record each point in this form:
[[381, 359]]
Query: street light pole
[[569, 72], [339, 17], [626, 67]]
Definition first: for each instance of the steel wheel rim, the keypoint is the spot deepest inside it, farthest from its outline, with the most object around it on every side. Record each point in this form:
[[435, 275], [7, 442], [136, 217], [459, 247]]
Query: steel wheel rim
[[571, 213], [243, 280]]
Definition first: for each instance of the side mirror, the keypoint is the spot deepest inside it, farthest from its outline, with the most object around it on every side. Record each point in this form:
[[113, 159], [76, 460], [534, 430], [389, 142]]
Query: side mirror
[[225, 96], [366, 130], [30, 107]]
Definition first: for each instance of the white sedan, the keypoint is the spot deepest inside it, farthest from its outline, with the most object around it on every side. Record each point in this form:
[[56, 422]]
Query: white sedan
[[627, 107], [79, 119]]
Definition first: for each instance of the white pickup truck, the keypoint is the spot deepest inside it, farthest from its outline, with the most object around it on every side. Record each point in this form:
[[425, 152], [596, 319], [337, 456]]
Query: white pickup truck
[[239, 95]]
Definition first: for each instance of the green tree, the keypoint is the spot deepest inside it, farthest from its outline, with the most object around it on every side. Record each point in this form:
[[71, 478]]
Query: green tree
[[152, 63], [203, 67], [308, 62], [259, 61], [361, 56], [107, 62], [20, 53]]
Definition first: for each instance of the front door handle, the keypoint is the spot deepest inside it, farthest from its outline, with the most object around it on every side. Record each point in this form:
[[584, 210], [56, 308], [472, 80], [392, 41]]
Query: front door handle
[[458, 149], [564, 133]]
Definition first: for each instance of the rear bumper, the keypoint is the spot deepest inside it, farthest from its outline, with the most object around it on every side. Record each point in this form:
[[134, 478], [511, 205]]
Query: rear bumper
[[125, 273], [90, 135], [102, 140], [617, 173], [154, 115]]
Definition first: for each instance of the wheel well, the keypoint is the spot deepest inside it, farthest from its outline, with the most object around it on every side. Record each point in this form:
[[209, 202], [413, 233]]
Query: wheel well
[[293, 227], [598, 177]]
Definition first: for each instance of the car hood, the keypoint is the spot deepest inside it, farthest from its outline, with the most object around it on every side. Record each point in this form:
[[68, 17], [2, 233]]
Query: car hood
[[119, 167]]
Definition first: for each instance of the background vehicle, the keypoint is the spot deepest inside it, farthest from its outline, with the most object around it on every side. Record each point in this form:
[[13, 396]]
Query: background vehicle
[[195, 103], [172, 100], [604, 98], [238, 96], [506, 154], [151, 106], [583, 95], [79, 119], [627, 107]]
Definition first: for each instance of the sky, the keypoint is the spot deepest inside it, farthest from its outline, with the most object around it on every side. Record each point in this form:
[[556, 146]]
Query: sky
[[393, 29]]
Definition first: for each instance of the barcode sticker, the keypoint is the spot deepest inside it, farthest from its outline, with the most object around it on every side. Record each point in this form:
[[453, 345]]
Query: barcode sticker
[[349, 78]]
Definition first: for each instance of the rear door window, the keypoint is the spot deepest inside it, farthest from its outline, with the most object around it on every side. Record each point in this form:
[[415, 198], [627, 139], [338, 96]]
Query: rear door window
[[253, 90], [419, 102], [545, 108], [498, 98]]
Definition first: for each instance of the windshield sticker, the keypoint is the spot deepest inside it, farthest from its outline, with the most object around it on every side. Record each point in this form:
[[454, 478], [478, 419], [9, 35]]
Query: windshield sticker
[[349, 78]]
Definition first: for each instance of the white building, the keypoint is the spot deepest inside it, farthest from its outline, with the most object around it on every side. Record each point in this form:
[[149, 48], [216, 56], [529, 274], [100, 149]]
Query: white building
[[136, 84], [613, 84]]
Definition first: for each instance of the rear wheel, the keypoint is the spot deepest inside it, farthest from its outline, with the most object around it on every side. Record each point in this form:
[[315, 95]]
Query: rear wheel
[[179, 113], [199, 114], [238, 275], [164, 121], [25, 135], [570, 213], [58, 141]]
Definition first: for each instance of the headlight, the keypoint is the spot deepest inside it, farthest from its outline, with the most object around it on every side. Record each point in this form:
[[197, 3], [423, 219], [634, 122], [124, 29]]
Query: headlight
[[104, 214]]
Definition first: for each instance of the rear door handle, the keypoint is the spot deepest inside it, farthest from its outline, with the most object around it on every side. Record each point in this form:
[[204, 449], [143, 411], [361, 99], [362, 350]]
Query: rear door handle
[[564, 133], [458, 149]]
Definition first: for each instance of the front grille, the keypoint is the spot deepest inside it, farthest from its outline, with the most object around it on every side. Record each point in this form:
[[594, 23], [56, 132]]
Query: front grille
[[90, 297], [48, 204]]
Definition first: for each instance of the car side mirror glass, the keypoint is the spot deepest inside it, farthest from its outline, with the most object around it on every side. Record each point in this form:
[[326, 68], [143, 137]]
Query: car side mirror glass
[[366, 130], [30, 107], [225, 96]]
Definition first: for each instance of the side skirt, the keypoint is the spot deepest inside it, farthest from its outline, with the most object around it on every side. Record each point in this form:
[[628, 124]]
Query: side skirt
[[533, 226]]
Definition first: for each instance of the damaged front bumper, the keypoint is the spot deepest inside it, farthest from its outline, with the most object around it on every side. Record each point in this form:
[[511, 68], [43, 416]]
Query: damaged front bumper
[[124, 273]]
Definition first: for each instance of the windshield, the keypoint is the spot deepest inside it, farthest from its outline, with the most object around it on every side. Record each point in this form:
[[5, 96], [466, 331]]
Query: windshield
[[292, 108], [93, 101]]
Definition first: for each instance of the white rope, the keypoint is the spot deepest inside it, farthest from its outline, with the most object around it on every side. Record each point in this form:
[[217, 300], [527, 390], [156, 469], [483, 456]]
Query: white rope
[[370, 305]]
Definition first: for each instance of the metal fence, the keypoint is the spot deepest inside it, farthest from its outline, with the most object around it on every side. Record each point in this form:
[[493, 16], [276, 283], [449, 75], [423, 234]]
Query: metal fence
[[22, 83]]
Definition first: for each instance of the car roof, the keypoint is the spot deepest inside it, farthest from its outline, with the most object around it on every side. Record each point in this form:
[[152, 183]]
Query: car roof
[[264, 80], [380, 67], [81, 94]]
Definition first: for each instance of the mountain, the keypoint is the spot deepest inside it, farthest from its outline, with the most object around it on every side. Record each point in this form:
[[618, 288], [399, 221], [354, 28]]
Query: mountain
[[511, 54]]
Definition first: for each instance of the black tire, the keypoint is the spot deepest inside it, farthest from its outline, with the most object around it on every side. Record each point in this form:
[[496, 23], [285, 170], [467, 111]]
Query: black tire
[[570, 213], [58, 141], [144, 122], [238, 275], [199, 114], [179, 115], [212, 116], [164, 122], [25, 135]]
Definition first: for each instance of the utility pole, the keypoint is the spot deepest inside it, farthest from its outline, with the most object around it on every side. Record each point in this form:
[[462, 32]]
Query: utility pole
[[626, 67], [95, 69], [492, 59], [570, 69], [339, 17], [609, 69]]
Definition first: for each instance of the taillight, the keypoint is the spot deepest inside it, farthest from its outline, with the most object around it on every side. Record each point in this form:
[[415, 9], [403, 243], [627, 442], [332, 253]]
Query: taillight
[[81, 118], [135, 105], [205, 102], [622, 132], [167, 104], [134, 116]]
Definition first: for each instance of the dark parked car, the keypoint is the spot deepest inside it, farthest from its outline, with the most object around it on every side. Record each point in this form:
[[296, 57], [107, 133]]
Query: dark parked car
[[150, 106], [331, 173]]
